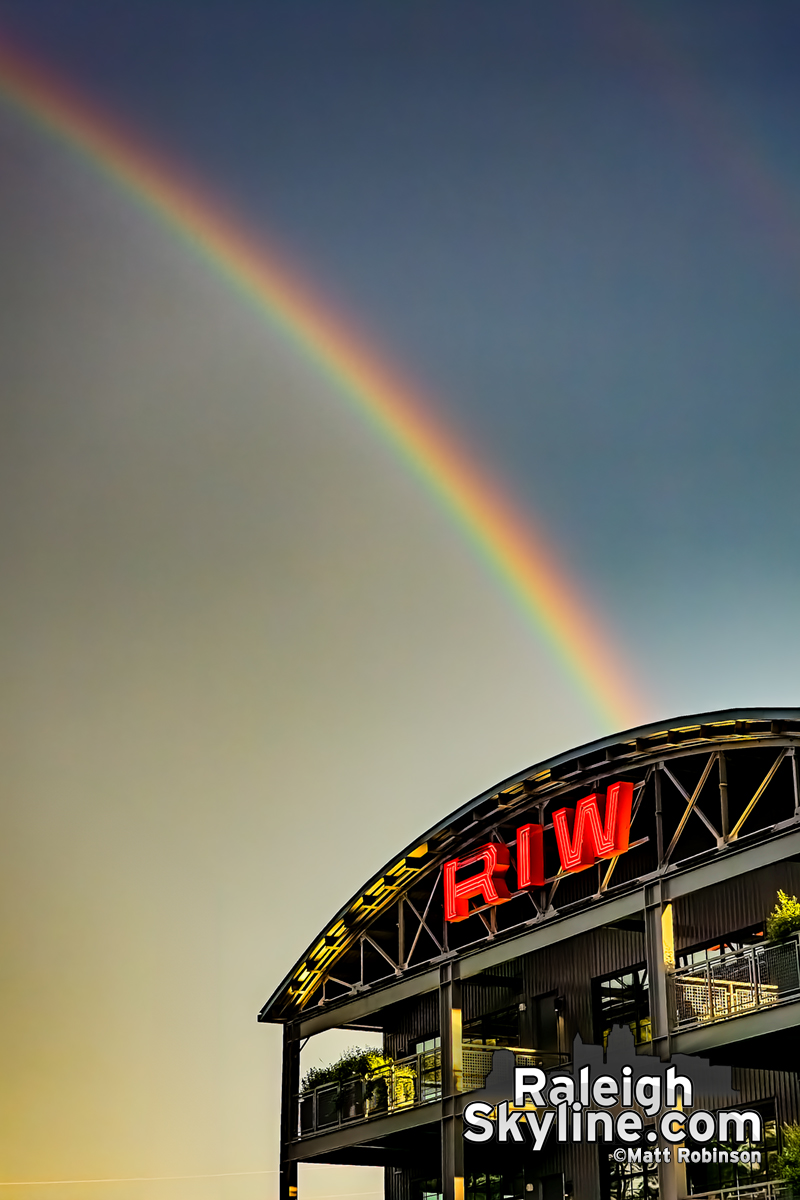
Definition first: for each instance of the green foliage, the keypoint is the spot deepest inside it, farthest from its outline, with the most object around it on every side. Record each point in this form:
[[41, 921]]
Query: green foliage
[[384, 1078], [784, 918], [386, 1075], [404, 1085], [357, 1060], [787, 1164]]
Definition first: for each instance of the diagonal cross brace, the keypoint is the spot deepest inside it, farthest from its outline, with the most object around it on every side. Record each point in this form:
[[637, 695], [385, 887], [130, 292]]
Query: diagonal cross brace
[[423, 923], [391, 962], [423, 918], [759, 793], [691, 805]]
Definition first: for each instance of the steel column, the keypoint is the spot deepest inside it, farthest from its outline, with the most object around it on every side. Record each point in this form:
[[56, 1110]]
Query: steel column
[[659, 815], [450, 1031], [723, 795], [290, 1086], [656, 969], [671, 1177]]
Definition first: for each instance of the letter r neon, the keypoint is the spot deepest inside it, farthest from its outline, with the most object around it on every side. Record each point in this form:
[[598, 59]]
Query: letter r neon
[[488, 883]]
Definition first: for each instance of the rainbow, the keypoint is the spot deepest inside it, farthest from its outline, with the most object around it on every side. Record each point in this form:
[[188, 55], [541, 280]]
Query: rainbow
[[512, 548]]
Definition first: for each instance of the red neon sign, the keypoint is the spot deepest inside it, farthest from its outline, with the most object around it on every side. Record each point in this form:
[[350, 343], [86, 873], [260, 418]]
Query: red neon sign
[[598, 827], [530, 857], [592, 837], [488, 883]]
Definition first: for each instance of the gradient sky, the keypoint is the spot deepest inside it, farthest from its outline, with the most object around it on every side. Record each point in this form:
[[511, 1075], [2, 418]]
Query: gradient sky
[[245, 655]]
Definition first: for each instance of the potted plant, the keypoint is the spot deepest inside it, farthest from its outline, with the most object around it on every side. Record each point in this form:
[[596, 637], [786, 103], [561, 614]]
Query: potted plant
[[404, 1084], [356, 1061], [784, 920], [349, 1072], [379, 1079]]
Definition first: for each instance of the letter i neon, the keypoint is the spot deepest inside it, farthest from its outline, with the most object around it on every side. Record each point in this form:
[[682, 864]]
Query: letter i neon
[[530, 857]]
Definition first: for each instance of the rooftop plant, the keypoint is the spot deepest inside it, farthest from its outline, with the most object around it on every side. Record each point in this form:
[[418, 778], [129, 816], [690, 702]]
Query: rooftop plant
[[784, 918], [357, 1060]]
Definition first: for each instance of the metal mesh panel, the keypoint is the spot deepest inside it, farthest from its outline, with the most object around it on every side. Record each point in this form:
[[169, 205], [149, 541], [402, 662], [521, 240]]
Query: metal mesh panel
[[778, 969], [768, 1190], [735, 983], [691, 998], [476, 1062]]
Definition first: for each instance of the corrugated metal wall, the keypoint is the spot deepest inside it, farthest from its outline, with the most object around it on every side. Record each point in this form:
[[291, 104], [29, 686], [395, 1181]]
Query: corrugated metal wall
[[754, 1085], [569, 969], [420, 1019], [415, 1022], [733, 905], [478, 999]]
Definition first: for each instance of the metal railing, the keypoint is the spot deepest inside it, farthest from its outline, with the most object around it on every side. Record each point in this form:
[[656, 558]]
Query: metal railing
[[770, 1189], [742, 981], [401, 1084], [477, 1057]]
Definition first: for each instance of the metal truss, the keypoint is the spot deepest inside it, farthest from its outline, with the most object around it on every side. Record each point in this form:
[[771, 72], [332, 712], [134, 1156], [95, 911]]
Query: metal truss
[[683, 781]]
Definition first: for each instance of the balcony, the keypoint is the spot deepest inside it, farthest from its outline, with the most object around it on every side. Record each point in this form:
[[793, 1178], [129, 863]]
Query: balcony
[[744, 981], [476, 1062], [400, 1085], [770, 1189]]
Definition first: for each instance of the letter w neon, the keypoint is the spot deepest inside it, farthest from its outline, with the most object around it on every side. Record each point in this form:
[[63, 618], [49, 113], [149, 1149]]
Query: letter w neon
[[600, 827]]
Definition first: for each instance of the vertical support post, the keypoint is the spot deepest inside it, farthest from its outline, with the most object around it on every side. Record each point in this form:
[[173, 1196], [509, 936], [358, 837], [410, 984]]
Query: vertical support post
[[723, 795], [795, 780], [656, 968], [450, 1029], [668, 936], [659, 948], [401, 933], [290, 1087], [659, 820]]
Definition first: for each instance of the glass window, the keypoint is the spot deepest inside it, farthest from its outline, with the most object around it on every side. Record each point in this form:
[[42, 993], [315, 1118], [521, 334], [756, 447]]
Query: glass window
[[622, 999], [704, 1177], [630, 1181], [708, 952], [490, 1186], [500, 1028], [429, 1069]]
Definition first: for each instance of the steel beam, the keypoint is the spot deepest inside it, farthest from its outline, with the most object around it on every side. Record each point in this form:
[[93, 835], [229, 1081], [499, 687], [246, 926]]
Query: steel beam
[[730, 860], [315, 1020], [372, 1131], [290, 1086], [773, 1019], [656, 972], [452, 1126], [734, 859]]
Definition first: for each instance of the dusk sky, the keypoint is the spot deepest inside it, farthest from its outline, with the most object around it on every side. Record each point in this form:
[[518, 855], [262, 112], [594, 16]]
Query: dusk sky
[[248, 654]]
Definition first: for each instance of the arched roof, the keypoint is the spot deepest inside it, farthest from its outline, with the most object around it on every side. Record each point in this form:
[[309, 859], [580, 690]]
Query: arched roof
[[467, 825]]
